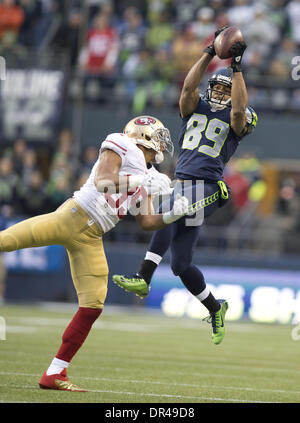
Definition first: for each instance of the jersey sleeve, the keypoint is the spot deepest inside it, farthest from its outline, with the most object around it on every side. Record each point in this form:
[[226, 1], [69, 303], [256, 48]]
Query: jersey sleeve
[[116, 142]]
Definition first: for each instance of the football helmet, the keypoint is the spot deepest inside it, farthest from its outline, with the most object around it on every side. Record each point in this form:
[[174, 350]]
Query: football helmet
[[224, 77], [152, 134]]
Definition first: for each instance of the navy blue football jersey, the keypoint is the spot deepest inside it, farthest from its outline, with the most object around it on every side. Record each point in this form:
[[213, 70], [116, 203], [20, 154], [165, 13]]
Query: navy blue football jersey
[[207, 142]]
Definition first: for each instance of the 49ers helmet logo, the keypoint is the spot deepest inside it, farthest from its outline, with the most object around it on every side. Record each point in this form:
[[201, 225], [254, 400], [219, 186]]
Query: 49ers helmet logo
[[145, 120]]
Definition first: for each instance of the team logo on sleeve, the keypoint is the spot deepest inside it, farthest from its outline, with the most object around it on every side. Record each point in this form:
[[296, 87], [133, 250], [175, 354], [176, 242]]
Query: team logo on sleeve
[[145, 120]]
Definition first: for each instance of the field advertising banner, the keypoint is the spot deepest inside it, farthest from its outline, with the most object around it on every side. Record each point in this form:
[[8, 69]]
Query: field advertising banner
[[260, 295], [31, 104]]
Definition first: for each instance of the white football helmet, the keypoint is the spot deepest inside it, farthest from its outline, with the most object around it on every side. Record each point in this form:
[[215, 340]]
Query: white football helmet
[[151, 133]]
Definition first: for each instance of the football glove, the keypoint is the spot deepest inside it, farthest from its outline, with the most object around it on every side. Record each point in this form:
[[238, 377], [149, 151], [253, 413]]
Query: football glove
[[154, 182], [180, 208], [237, 51], [211, 48]]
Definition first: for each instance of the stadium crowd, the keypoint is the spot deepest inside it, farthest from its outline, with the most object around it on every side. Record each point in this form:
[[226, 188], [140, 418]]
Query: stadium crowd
[[139, 51]]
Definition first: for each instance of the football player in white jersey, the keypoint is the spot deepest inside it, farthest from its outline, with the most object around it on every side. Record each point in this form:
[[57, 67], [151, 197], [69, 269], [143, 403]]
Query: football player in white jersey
[[119, 181]]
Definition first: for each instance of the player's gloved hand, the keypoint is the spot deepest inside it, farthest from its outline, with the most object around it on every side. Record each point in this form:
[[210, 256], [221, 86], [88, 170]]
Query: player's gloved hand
[[165, 183], [211, 48], [237, 51], [154, 182], [180, 208]]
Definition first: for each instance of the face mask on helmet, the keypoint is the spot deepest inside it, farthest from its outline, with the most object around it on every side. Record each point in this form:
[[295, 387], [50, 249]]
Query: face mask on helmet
[[151, 133], [218, 103]]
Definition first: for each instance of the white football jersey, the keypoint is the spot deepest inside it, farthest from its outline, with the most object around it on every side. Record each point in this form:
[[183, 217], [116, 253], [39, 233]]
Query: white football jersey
[[108, 209]]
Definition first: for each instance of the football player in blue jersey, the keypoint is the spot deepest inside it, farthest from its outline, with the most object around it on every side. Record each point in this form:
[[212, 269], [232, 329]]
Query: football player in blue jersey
[[212, 127]]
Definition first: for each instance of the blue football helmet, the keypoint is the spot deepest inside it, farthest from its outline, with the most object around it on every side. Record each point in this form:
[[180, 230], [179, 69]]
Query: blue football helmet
[[224, 77]]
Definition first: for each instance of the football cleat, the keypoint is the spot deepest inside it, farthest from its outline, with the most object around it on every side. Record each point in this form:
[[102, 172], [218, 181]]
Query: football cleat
[[59, 382], [217, 321], [133, 283]]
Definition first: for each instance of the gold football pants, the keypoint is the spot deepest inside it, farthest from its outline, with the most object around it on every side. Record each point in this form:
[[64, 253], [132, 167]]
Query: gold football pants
[[71, 227]]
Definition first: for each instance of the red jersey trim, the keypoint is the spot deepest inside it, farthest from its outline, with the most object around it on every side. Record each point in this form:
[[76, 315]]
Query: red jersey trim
[[124, 149]]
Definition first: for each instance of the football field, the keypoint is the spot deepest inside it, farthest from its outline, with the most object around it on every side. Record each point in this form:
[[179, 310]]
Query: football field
[[140, 357]]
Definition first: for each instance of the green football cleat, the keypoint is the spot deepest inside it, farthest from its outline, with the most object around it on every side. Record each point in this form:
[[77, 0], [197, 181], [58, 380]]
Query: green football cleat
[[133, 283], [217, 321]]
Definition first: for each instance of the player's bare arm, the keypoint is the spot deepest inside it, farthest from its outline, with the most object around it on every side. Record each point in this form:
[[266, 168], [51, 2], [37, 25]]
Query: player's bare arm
[[239, 101], [107, 176], [189, 96], [148, 220]]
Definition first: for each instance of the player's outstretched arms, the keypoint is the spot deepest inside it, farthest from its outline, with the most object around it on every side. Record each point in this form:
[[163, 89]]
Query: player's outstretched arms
[[149, 221], [239, 97], [189, 96]]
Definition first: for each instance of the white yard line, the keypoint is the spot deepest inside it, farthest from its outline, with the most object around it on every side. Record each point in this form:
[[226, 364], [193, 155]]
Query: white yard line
[[189, 385], [105, 391]]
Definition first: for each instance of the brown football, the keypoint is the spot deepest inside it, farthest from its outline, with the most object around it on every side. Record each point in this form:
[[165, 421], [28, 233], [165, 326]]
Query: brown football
[[225, 40]]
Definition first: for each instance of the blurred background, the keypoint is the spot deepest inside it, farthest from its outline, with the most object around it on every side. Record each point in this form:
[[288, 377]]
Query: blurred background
[[78, 70]]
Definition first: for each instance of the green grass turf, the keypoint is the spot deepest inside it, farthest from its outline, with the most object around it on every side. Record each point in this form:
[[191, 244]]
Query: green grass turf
[[134, 357]]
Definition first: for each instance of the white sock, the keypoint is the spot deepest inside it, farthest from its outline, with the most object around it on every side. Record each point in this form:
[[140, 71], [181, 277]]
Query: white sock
[[56, 366], [153, 257], [204, 294]]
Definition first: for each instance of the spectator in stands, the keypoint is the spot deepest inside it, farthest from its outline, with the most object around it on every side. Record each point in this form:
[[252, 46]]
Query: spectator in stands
[[205, 24], [186, 50], [100, 54], [280, 66], [29, 165], [261, 33], [153, 81], [240, 14], [60, 168], [278, 15], [8, 187], [33, 197], [11, 19], [160, 32], [155, 8], [19, 149], [132, 33], [239, 186], [164, 73], [60, 191], [184, 11], [32, 12], [83, 177], [47, 13], [138, 71], [90, 156], [293, 11], [64, 161], [218, 7], [67, 35]]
